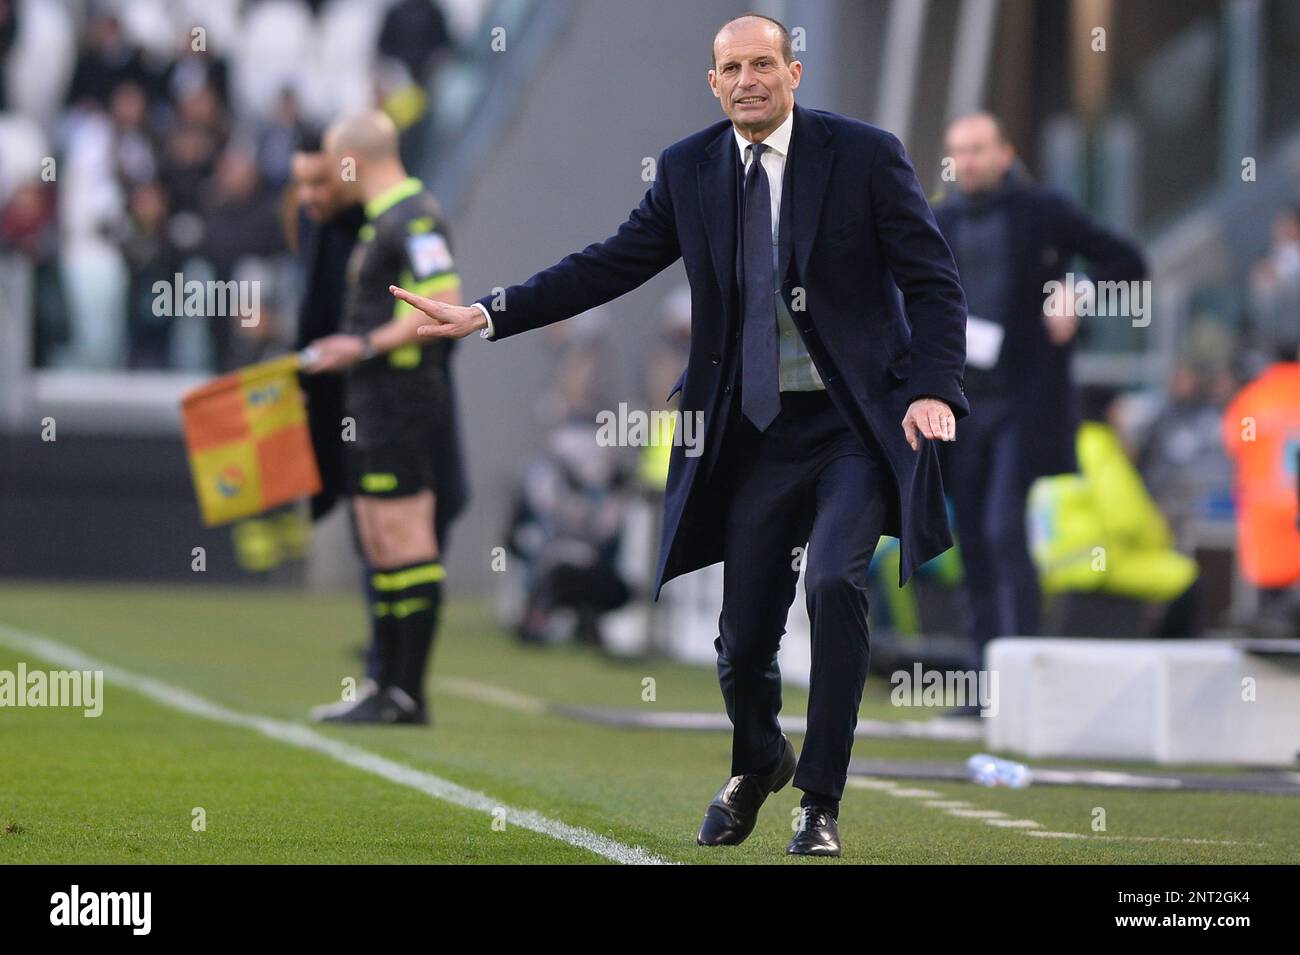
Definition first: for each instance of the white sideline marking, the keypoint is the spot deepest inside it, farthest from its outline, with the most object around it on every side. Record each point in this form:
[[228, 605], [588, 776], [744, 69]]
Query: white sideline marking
[[961, 809], [1087, 835], [915, 793], [1014, 823], [306, 738], [487, 693]]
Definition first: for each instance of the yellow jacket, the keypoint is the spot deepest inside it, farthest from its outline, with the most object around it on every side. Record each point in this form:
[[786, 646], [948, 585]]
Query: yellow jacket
[[1099, 529]]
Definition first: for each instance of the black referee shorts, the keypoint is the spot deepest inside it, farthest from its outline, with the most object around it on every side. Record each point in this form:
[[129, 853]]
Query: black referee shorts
[[396, 470]]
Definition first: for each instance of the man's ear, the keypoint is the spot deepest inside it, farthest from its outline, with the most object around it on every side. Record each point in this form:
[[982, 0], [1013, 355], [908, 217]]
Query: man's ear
[[796, 72], [713, 83]]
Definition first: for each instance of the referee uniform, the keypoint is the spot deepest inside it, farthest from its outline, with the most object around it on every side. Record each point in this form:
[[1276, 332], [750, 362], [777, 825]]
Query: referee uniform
[[391, 399]]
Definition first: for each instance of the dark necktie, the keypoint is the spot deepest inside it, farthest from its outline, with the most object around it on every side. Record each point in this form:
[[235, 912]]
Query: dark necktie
[[760, 353]]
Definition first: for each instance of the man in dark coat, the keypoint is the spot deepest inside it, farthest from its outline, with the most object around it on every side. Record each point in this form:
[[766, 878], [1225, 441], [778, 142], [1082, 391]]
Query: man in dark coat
[[826, 360], [1012, 240]]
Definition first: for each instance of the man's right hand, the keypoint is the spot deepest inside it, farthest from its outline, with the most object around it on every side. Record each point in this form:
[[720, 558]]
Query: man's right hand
[[449, 321]]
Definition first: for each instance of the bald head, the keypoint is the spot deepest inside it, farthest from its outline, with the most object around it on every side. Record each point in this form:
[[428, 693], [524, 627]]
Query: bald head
[[754, 74], [980, 151], [367, 137], [748, 22]]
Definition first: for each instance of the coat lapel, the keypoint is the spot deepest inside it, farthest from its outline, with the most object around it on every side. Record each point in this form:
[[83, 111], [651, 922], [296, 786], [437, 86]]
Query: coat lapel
[[717, 184], [808, 172]]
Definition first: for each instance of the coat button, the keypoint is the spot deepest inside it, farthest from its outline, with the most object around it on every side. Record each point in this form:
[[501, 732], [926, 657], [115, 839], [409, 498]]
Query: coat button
[[727, 390], [715, 358]]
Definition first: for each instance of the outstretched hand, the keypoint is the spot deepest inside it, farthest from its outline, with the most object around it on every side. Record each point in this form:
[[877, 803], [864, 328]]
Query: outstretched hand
[[448, 321], [932, 418]]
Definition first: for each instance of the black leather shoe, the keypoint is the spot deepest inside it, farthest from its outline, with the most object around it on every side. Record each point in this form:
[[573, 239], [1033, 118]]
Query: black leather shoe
[[387, 706], [731, 816], [818, 834]]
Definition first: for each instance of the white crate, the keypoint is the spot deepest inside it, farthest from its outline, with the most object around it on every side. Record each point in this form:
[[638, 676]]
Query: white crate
[[1167, 701]]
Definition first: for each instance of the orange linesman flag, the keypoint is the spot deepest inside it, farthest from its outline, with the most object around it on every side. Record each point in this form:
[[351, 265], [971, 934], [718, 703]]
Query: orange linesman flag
[[248, 441]]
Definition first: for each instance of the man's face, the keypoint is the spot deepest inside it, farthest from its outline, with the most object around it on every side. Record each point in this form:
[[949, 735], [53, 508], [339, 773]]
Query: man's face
[[319, 184], [980, 156], [751, 78]]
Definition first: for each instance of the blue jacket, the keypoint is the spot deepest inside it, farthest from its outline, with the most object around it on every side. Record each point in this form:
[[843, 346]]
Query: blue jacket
[[866, 274]]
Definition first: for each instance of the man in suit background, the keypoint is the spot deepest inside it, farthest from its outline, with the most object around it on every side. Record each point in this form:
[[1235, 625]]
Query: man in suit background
[[827, 352], [1010, 237]]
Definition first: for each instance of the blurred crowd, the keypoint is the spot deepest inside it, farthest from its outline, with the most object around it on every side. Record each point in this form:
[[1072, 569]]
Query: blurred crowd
[[164, 149], [145, 140]]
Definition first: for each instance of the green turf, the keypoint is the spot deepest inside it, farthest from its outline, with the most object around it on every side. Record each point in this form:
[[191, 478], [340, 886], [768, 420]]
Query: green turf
[[122, 787]]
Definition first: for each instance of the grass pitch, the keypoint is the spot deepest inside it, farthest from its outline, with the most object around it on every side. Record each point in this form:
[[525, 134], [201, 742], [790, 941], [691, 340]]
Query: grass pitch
[[125, 787]]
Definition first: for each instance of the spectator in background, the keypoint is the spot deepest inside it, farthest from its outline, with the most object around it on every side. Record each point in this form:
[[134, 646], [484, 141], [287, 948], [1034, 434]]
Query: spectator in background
[[267, 332], [567, 528], [1100, 531], [413, 42], [29, 227], [150, 258], [1010, 237], [133, 147], [107, 60], [241, 220], [242, 216], [192, 146], [194, 70], [582, 382], [568, 514], [1181, 458], [189, 157], [279, 139], [1261, 431], [415, 34], [1275, 291]]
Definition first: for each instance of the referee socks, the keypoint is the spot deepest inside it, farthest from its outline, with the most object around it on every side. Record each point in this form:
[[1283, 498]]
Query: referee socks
[[410, 598]]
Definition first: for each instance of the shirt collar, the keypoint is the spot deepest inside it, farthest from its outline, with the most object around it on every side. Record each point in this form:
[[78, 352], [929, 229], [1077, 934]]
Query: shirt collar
[[392, 196], [778, 139]]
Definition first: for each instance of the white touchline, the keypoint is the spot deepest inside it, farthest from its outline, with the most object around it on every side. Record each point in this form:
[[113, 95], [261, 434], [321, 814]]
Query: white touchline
[[304, 737], [487, 693], [1014, 823], [961, 809], [914, 793]]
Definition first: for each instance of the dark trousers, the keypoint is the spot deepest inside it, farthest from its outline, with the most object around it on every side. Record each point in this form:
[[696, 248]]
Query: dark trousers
[[984, 474], [806, 479]]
